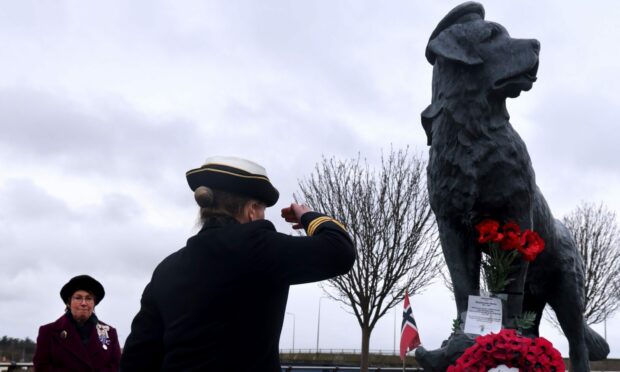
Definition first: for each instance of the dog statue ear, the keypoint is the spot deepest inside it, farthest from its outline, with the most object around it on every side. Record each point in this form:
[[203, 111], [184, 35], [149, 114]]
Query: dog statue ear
[[461, 14], [454, 43], [427, 120]]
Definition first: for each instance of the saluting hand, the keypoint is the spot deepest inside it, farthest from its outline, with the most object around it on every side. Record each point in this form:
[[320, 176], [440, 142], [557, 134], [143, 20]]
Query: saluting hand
[[293, 214]]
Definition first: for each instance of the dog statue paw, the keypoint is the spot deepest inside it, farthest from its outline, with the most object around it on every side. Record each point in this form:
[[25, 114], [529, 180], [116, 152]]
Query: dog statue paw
[[451, 349]]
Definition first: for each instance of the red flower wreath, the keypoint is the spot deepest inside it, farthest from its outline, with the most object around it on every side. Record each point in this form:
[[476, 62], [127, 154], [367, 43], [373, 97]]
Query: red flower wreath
[[511, 349]]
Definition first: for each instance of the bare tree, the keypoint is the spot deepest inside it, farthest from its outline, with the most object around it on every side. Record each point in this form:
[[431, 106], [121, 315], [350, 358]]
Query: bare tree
[[388, 215], [595, 230]]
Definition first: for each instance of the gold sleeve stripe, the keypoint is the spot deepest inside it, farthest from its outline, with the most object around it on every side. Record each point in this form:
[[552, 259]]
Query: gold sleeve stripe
[[319, 221], [316, 222], [339, 224]]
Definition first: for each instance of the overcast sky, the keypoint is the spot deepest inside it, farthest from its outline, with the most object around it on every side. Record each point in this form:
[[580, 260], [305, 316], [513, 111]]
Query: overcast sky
[[105, 105]]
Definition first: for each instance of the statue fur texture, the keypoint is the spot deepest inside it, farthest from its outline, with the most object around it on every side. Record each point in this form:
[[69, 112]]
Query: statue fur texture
[[479, 168]]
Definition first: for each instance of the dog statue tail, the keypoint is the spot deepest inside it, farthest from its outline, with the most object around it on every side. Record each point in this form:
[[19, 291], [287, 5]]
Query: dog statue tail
[[598, 348]]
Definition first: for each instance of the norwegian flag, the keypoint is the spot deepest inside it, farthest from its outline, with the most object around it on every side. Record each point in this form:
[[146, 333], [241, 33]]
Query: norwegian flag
[[409, 337]]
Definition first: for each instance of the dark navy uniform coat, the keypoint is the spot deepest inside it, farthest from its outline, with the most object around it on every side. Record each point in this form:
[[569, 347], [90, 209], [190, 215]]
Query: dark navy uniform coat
[[218, 304], [60, 348]]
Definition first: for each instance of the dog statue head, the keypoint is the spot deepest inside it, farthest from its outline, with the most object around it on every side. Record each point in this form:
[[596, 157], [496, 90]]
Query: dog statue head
[[475, 59]]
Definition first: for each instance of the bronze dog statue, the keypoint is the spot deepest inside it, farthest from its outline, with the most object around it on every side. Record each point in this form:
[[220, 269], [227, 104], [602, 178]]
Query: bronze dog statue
[[479, 168]]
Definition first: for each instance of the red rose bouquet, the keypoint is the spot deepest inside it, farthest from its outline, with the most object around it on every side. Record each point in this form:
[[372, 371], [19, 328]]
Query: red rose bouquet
[[505, 244], [510, 349]]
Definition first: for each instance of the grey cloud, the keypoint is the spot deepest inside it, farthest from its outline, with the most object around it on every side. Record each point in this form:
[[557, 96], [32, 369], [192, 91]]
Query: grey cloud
[[577, 130], [109, 140], [41, 231], [292, 133], [120, 208], [23, 202]]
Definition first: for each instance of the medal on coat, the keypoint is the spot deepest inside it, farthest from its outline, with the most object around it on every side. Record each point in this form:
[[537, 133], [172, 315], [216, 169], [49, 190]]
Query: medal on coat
[[63, 334], [102, 333]]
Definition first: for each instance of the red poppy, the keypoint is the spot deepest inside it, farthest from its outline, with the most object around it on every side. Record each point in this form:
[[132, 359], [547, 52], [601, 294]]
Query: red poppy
[[470, 351], [470, 363], [530, 357], [531, 245], [502, 356], [512, 236], [558, 364], [508, 334], [488, 363], [486, 341], [511, 227], [480, 353], [456, 368], [543, 342], [521, 348], [500, 343], [536, 350], [554, 353], [544, 359], [488, 231]]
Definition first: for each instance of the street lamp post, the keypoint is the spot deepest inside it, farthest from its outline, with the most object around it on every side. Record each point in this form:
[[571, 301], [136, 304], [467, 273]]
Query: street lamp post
[[293, 329], [395, 312], [318, 325], [605, 325]]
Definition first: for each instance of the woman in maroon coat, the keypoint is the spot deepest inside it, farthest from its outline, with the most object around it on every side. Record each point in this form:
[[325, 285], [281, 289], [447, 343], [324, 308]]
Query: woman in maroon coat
[[78, 341]]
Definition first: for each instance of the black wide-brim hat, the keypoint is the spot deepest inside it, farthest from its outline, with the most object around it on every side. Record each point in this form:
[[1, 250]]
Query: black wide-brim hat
[[234, 175], [83, 283]]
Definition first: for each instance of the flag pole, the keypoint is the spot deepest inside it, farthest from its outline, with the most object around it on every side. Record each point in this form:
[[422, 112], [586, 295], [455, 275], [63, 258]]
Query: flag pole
[[405, 358]]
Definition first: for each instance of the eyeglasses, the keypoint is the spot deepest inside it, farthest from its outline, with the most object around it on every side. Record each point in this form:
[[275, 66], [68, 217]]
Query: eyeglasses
[[86, 299]]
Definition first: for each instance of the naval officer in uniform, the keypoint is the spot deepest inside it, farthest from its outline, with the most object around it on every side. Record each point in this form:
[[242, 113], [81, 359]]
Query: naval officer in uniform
[[218, 303]]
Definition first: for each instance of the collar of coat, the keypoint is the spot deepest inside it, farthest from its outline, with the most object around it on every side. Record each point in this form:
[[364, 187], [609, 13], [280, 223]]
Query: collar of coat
[[65, 334], [219, 220], [84, 329]]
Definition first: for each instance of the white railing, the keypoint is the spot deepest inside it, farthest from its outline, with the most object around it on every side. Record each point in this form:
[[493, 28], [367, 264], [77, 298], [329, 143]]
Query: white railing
[[287, 368], [337, 351]]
